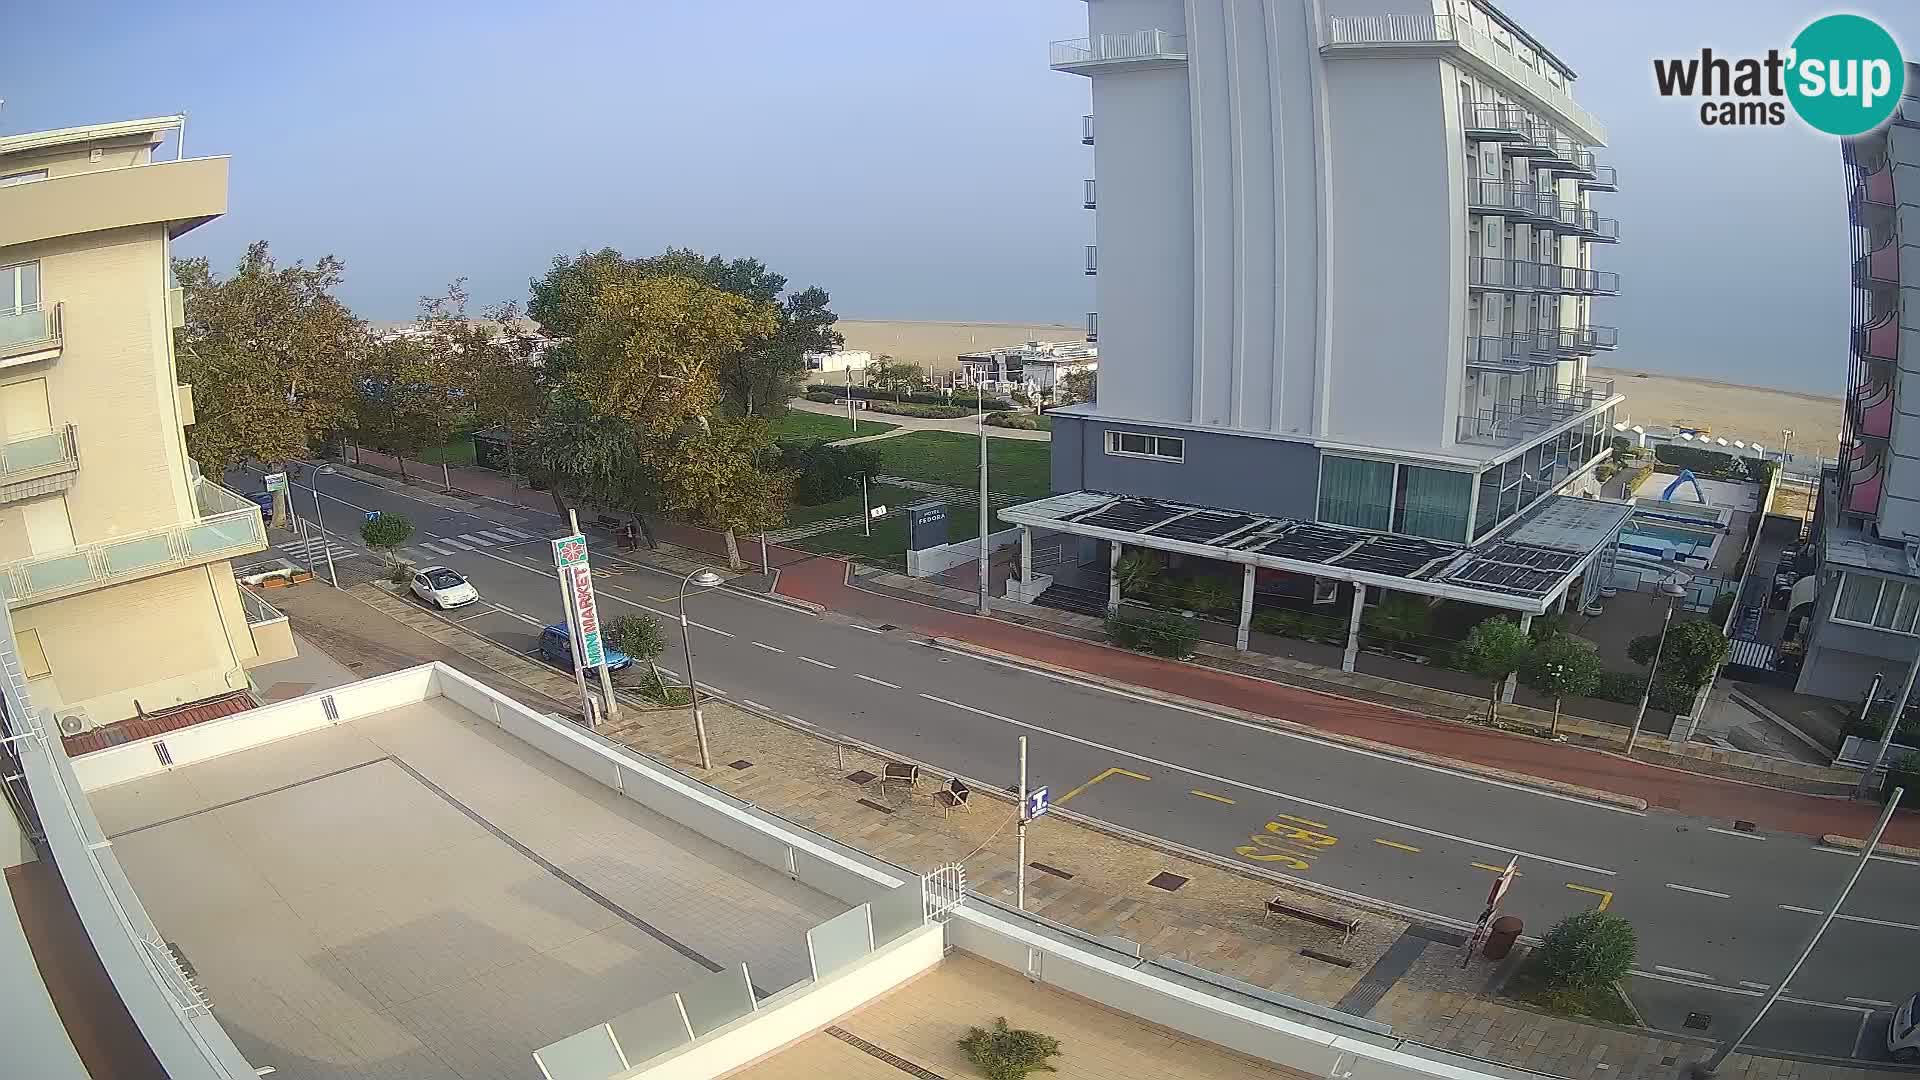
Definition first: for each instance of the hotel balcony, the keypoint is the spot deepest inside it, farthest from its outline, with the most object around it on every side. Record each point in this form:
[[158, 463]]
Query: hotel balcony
[[1093, 259], [1508, 354], [1879, 340], [1870, 410], [1571, 215], [1491, 121], [1603, 178], [41, 464], [1874, 188], [1093, 327], [1524, 275], [1086, 130], [1511, 198], [1864, 474], [272, 635], [1106, 52], [1574, 342], [30, 334], [1881, 266], [1520, 419], [183, 194], [1087, 194], [1456, 39], [1566, 158], [227, 527]]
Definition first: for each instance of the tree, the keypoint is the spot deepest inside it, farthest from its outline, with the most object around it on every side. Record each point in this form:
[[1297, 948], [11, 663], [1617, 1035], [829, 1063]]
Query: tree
[[1009, 1053], [410, 398], [1588, 949], [385, 533], [640, 637], [898, 376], [1136, 570], [1694, 651], [1494, 649], [581, 456], [1620, 446], [1398, 617], [714, 479], [1560, 665], [494, 363], [651, 352], [274, 358]]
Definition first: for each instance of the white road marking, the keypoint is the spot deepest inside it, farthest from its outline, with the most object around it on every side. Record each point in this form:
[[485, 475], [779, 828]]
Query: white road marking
[[1802, 910], [1299, 736], [477, 540], [769, 648], [1699, 892], [881, 682], [1876, 1002], [1243, 785], [498, 538], [1733, 832], [796, 719], [1856, 854], [454, 542], [484, 611], [1755, 985], [868, 629], [1683, 971], [1877, 922], [436, 549], [815, 663], [752, 704], [1695, 982]]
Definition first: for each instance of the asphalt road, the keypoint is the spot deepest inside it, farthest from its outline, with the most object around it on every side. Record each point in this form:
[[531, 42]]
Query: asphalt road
[[1719, 912]]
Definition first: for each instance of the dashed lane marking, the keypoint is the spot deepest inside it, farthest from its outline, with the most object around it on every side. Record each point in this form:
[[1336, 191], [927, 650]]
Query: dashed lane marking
[[1751, 985], [1103, 776], [1605, 896], [1802, 910], [1855, 854], [1876, 1002], [877, 682], [1732, 832], [769, 648], [1683, 972], [815, 663], [868, 629], [1699, 892], [1492, 869], [1396, 845], [1876, 922], [1210, 795]]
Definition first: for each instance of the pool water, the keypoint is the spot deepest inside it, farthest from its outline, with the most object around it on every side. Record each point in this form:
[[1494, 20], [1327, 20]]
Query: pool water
[[1672, 534]]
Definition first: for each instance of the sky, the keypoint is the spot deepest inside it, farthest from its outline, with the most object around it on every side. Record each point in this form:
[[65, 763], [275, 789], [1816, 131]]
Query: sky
[[919, 161]]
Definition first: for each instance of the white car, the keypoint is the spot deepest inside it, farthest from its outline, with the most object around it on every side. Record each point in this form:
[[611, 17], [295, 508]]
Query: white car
[[443, 588]]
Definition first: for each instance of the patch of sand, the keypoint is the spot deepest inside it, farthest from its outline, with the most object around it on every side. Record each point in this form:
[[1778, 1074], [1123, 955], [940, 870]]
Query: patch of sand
[[936, 346]]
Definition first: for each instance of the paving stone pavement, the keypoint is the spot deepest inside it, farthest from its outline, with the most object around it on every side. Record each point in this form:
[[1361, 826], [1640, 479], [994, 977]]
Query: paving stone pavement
[[1213, 921]]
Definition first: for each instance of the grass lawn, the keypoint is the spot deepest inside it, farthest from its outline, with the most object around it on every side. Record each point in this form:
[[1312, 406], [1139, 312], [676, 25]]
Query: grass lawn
[[1014, 466], [888, 544], [799, 426], [1529, 984], [457, 452], [887, 495]]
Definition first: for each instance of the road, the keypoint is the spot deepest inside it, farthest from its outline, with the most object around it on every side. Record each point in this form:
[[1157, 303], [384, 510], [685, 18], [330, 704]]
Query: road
[[1719, 911]]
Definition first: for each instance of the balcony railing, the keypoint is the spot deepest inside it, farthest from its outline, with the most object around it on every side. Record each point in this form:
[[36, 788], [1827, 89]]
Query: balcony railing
[[1140, 47], [259, 612], [32, 455], [1525, 275], [1495, 195], [1087, 194], [1418, 31], [1518, 419], [1494, 120], [1093, 327], [1093, 260], [27, 333], [228, 526], [1577, 341], [1603, 179], [1086, 130]]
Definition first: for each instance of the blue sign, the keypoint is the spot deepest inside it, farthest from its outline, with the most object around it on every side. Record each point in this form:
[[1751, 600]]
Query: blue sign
[[1036, 803], [373, 515]]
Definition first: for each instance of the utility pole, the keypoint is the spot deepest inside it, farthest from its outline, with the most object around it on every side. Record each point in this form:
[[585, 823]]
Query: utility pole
[[1712, 1064], [1674, 590], [981, 410], [1893, 721], [852, 423], [765, 569], [1020, 868], [320, 521]]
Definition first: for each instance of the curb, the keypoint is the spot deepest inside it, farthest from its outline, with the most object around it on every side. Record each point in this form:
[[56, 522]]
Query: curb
[[1850, 843], [1609, 798]]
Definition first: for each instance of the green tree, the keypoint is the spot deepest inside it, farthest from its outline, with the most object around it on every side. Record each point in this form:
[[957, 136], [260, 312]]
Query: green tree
[[1559, 665], [1009, 1053], [493, 362], [410, 398], [385, 533], [583, 457], [1398, 617], [651, 354], [1494, 649], [641, 637], [274, 358], [1694, 650], [1135, 571], [1078, 385], [714, 479], [1588, 949]]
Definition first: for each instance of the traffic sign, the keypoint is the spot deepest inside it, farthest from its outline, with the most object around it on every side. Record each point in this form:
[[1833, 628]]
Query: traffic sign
[[1501, 884], [276, 481], [1036, 803], [878, 511], [373, 515]]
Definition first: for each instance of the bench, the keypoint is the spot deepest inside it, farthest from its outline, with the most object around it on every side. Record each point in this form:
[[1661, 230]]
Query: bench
[[898, 772], [953, 797], [1278, 908], [609, 522]]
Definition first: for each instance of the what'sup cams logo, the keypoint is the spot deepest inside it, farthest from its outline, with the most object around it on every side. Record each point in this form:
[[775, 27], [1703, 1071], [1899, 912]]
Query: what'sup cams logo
[[1843, 75]]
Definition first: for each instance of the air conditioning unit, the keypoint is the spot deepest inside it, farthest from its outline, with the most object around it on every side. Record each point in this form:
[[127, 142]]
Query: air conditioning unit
[[73, 721]]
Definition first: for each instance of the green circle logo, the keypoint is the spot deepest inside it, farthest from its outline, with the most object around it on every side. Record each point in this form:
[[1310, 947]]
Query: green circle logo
[[1846, 75]]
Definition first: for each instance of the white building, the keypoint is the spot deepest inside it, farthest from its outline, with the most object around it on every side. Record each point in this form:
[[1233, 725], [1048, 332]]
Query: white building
[[1031, 368], [1345, 245], [844, 360]]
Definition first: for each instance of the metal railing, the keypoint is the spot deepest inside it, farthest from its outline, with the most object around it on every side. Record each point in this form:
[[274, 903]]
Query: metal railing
[[31, 453], [1504, 351], [1498, 116], [1086, 130], [1510, 196], [1521, 418], [1575, 341], [1093, 259], [31, 327], [1093, 327], [258, 610], [1087, 194], [1107, 48], [1487, 272], [1403, 30], [1604, 176], [228, 526]]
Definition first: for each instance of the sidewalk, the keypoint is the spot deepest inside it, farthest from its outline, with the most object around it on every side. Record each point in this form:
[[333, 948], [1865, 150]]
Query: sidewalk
[[1098, 881], [905, 424]]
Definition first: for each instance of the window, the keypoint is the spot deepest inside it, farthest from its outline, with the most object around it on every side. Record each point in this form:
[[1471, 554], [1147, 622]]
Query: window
[[1877, 602], [33, 658], [22, 177], [1357, 492], [1140, 444], [19, 288], [1432, 503]]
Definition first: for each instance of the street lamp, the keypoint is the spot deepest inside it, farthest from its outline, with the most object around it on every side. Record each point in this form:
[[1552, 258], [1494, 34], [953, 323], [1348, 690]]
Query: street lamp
[[706, 579], [1674, 587]]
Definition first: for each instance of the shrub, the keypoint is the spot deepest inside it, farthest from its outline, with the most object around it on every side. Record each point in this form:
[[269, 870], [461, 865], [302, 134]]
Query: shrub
[[1588, 949], [1024, 421], [823, 473], [1152, 632], [1397, 617], [1136, 570], [1722, 607], [1620, 686], [639, 636], [1708, 463], [1903, 772], [386, 532], [872, 392], [1494, 649], [1604, 471], [924, 412], [1009, 1053], [400, 572], [823, 397]]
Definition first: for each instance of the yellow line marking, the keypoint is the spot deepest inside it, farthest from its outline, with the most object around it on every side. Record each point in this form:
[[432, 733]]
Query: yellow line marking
[[1395, 846], [1301, 820], [1211, 795], [1494, 869], [1605, 896], [1097, 779]]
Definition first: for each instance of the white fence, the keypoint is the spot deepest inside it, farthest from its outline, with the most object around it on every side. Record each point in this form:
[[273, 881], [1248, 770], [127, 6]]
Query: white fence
[[937, 560]]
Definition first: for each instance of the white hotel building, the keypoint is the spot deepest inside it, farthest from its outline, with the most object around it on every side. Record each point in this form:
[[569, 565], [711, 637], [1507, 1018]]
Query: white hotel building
[[1345, 272]]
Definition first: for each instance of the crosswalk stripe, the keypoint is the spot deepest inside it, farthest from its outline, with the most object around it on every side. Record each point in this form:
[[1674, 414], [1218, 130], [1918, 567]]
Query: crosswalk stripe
[[498, 538], [480, 540], [517, 534], [436, 549], [456, 543]]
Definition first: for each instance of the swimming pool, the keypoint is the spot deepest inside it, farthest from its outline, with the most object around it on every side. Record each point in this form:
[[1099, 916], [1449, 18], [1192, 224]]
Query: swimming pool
[[1686, 539]]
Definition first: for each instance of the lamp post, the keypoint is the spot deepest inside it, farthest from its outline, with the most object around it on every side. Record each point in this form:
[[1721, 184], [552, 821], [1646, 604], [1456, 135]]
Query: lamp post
[[984, 608], [706, 579], [328, 548], [1673, 588]]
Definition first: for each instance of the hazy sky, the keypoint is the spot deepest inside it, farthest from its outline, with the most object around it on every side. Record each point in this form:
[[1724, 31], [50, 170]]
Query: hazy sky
[[917, 160]]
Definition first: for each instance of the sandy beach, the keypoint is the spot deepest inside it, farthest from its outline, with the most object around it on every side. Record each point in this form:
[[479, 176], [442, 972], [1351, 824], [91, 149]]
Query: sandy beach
[[1751, 413]]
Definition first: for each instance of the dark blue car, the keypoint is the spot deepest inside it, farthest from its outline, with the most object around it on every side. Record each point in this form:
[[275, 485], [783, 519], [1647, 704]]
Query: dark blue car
[[556, 644]]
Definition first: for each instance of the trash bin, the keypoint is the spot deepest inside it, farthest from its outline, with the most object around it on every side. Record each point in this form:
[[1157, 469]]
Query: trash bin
[[1501, 936]]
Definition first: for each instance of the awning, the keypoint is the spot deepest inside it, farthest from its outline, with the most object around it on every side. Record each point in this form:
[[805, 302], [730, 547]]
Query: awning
[[1804, 592], [1522, 570]]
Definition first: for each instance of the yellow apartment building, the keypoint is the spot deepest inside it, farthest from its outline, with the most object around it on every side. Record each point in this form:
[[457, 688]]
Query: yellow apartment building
[[115, 553]]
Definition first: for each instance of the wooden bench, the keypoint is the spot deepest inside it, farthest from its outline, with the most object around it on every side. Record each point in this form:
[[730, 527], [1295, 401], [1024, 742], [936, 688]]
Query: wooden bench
[[953, 797], [1278, 908], [899, 772], [609, 522]]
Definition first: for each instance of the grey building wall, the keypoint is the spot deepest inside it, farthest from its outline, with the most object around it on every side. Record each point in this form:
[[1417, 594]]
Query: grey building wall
[[1241, 472], [1841, 659]]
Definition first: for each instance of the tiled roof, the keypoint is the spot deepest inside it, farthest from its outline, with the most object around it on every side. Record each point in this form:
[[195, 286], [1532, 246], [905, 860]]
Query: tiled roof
[[159, 723]]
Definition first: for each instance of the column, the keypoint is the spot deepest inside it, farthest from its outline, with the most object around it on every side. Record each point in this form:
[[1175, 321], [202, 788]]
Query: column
[[1246, 606], [1026, 554], [1113, 575], [1560, 602], [1513, 678], [1353, 628]]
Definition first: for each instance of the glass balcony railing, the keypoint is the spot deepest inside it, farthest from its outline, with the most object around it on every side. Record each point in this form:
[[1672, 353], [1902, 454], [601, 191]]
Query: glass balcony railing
[[30, 456], [31, 329], [259, 612], [1140, 47], [1525, 275], [1524, 417], [228, 526]]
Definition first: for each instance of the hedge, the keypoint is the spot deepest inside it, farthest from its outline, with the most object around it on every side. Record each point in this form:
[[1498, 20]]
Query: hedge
[[925, 412], [1153, 632], [822, 397], [1024, 421], [872, 392]]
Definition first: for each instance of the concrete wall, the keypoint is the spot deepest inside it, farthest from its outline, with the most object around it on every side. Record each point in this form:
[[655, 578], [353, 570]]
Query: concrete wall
[[190, 190], [1244, 472], [934, 560], [1841, 658]]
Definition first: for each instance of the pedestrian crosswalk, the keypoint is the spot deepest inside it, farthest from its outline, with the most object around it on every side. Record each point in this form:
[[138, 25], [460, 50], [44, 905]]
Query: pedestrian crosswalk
[[311, 548], [483, 538]]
